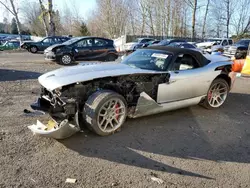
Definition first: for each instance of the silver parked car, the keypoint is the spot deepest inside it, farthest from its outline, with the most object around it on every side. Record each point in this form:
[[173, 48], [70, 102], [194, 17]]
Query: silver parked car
[[149, 81]]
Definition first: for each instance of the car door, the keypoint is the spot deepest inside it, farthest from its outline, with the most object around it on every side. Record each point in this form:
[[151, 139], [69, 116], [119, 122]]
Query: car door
[[83, 49], [46, 43], [8, 46], [100, 47], [187, 80]]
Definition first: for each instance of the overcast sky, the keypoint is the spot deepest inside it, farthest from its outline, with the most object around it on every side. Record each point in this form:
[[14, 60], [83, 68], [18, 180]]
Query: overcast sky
[[84, 6]]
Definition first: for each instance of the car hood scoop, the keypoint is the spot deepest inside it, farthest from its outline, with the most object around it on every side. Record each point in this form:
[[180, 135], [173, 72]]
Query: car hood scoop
[[80, 73]]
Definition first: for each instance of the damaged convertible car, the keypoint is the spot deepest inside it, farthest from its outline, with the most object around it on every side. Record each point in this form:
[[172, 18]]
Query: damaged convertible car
[[148, 81]]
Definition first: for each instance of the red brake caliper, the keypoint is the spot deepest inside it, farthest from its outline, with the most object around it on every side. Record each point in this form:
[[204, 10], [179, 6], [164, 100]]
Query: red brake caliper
[[117, 110], [209, 95]]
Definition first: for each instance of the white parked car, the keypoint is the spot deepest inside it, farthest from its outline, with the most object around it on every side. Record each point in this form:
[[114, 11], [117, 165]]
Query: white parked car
[[136, 44], [213, 44]]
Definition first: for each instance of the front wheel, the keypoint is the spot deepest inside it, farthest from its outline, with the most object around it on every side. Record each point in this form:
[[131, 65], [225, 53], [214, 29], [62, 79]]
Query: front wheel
[[33, 49], [105, 112], [66, 59], [217, 94]]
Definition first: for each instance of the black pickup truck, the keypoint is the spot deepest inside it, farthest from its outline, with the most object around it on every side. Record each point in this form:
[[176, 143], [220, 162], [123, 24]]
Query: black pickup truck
[[238, 49]]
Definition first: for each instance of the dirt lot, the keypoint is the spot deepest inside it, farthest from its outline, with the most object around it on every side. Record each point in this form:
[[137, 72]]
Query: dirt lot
[[191, 147]]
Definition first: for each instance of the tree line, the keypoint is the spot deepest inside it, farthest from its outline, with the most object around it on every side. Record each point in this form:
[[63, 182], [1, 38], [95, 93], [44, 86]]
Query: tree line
[[113, 18], [176, 18]]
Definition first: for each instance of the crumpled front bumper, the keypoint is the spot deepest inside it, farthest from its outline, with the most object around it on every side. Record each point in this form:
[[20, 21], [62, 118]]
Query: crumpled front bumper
[[50, 55], [52, 129], [58, 130]]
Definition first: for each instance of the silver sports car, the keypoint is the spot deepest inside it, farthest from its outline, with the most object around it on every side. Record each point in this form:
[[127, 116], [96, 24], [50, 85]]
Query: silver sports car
[[149, 81]]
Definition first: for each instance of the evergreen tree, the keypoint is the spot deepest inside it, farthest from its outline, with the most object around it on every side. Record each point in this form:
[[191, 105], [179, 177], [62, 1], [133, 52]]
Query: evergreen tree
[[14, 26], [84, 29]]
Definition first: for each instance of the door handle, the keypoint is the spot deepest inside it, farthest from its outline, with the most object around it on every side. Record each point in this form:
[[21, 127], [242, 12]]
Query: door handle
[[176, 72]]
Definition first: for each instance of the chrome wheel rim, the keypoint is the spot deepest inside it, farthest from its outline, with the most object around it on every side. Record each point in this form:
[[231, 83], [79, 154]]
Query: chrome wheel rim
[[66, 59], [33, 49], [111, 115], [217, 94]]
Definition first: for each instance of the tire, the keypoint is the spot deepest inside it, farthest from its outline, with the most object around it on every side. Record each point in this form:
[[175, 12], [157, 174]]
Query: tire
[[217, 94], [33, 49], [241, 54], [66, 59], [105, 112], [111, 57]]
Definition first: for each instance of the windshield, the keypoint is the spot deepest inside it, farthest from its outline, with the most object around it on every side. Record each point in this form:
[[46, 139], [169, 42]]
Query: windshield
[[71, 41], [4, 44], [41, 39], [137, 40], [243, 42], [217, 41], [175, 44], [164, 42], [148, 59]]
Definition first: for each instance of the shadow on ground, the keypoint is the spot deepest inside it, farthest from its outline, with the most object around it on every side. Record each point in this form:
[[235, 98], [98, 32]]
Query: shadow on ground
[[192, 133], [13, 75]]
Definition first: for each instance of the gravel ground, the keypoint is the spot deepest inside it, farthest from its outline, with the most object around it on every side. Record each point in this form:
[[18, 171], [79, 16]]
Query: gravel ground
[[191, 147]]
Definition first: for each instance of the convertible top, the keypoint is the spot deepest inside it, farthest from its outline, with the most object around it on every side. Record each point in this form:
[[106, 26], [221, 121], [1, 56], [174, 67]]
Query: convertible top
[[176, 51]]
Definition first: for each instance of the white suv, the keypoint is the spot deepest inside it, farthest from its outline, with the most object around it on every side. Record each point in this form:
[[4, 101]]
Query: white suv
[[213, 44]]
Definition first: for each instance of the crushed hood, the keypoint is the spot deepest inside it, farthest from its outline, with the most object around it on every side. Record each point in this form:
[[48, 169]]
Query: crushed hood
[[85, 72]]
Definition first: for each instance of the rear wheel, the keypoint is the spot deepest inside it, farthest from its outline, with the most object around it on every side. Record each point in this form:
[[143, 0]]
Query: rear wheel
[[33, 49], [105, 112], [66, 59], [111, 57], [217, 94]]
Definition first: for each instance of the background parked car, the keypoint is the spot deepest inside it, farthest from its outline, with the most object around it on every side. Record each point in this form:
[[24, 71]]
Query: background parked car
[[212, 45], [239, 48], [82, 48], [166, 42], [150, 43], [34, 47], [138, 43], [182, 45], [10, 45]]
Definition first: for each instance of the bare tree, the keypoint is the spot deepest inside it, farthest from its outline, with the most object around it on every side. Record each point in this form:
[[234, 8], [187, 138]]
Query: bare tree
[[193, 5], [228, 15], [43, 16], [52, 29], [32, 18], [241, 18], [169, 17], [205, 19], [111, 16], [12, 9], [247, 27]]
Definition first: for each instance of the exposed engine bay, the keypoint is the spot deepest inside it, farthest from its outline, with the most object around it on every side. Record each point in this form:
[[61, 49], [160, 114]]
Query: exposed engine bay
[[64, 103]]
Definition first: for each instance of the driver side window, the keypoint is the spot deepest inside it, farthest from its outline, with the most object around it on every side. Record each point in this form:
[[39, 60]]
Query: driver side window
[[84, 43], [224, 43], [47, 40], [185, 62], [10, 44]]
